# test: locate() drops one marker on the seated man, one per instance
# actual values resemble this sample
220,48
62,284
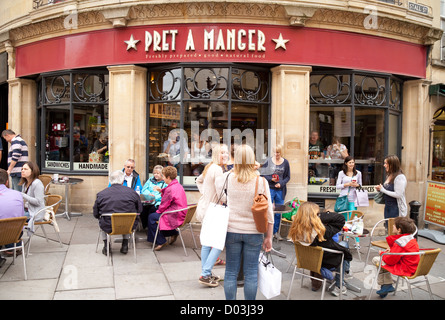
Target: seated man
173,198
11,203
117,198
131,177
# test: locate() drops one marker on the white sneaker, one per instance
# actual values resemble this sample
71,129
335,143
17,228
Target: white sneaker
278,237
336,291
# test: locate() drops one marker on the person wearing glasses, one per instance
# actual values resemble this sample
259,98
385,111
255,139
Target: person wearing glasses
131,177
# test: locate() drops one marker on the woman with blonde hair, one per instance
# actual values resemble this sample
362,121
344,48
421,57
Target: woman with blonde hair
243,239
206,185
311,227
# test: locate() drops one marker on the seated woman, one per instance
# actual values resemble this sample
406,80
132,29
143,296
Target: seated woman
152,192
172,198
33,193
311,227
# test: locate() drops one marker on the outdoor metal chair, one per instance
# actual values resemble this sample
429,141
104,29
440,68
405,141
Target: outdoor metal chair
46,180
191,209
52,205
427,258
10,232
121,223
310,258
380,244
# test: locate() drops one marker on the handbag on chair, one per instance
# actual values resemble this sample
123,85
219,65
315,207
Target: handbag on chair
259,208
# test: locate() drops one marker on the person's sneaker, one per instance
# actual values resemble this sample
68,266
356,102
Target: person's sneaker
208,281
385,289
336,291
278,236
215,277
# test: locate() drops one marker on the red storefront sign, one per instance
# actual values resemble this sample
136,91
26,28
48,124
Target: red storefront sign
219,43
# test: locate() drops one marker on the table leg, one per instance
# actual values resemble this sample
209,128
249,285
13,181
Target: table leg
69,213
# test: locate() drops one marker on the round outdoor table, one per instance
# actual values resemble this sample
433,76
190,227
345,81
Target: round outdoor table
280,209
72,181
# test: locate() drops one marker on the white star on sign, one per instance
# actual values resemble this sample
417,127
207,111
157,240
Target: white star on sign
280,42
131,43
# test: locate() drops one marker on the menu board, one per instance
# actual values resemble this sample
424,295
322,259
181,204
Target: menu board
435,203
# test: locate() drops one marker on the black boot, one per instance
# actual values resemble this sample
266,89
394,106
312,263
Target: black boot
104,250
124,248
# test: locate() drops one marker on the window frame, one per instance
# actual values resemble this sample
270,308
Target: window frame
183,101
388,104
42,107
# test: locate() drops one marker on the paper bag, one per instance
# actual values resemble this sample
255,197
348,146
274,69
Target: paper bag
214,226
269,278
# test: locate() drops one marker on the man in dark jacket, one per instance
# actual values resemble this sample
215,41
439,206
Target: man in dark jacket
117,198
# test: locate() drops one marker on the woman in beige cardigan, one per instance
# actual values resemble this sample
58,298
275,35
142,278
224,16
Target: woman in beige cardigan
206,185
243,239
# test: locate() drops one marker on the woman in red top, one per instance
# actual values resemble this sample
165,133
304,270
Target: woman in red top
402,241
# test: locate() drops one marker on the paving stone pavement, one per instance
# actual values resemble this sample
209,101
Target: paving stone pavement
75,271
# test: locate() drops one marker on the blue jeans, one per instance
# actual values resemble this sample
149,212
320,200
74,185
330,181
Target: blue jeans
276,196
249,246
15,183
209,256
346,266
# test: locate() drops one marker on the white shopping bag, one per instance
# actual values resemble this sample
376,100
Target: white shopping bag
362,198
269,278
214,226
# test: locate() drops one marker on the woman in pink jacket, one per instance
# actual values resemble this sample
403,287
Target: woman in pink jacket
173,198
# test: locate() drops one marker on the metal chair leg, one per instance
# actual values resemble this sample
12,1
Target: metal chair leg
182,240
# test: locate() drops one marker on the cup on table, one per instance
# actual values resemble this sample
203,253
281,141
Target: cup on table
56,177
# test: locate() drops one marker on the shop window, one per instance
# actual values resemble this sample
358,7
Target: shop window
191,107
73,110
438,143
351,114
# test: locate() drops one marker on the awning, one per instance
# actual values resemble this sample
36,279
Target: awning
437,89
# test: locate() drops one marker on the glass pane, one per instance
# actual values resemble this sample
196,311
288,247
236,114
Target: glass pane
57,152
330,89
204,123
329,144
206,83
250,85
438,143
57,89
369,90
164,118
165,85
90,136
90,88
369,144
249,125
393,136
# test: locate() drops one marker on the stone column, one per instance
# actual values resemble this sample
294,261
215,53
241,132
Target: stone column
415,138
22,111
127,116
290,119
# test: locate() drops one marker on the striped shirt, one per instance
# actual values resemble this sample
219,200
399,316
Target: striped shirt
17,152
